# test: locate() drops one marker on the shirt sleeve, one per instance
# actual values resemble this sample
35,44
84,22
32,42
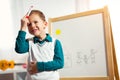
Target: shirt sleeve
21,44
58,61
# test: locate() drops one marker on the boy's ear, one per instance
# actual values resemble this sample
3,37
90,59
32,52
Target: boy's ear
46,24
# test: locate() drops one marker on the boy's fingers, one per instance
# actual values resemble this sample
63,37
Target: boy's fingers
27,16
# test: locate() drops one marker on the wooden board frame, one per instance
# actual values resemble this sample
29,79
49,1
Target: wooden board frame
108,41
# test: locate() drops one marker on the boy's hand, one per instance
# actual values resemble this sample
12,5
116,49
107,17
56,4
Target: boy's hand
32,68
24,23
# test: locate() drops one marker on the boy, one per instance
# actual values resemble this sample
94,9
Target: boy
45,52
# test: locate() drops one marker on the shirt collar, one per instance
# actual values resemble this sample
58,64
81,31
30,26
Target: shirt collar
48,39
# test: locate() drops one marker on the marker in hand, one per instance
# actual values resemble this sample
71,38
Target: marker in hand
27,15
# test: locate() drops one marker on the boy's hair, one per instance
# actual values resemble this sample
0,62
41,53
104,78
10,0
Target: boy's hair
39,13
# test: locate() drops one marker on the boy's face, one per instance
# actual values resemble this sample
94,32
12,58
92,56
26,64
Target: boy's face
36,25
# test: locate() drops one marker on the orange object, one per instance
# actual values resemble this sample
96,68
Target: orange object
3,65
11,64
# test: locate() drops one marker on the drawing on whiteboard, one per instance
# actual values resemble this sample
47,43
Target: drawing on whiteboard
68,57
68,61
89,58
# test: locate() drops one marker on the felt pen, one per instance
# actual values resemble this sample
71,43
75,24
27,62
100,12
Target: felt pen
27,15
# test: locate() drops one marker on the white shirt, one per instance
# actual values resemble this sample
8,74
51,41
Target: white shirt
42,53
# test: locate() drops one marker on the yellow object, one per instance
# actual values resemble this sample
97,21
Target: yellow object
3,65
58,32
11,64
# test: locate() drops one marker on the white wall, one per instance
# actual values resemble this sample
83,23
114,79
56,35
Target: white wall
51,8
115,18
6,26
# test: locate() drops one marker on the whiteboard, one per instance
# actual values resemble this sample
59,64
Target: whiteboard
83,40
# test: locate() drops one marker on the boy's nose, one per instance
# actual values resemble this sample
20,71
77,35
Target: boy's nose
32,25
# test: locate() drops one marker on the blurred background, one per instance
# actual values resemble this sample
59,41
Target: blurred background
13,10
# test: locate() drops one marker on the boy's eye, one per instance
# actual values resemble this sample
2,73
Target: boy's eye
35,22
29,24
